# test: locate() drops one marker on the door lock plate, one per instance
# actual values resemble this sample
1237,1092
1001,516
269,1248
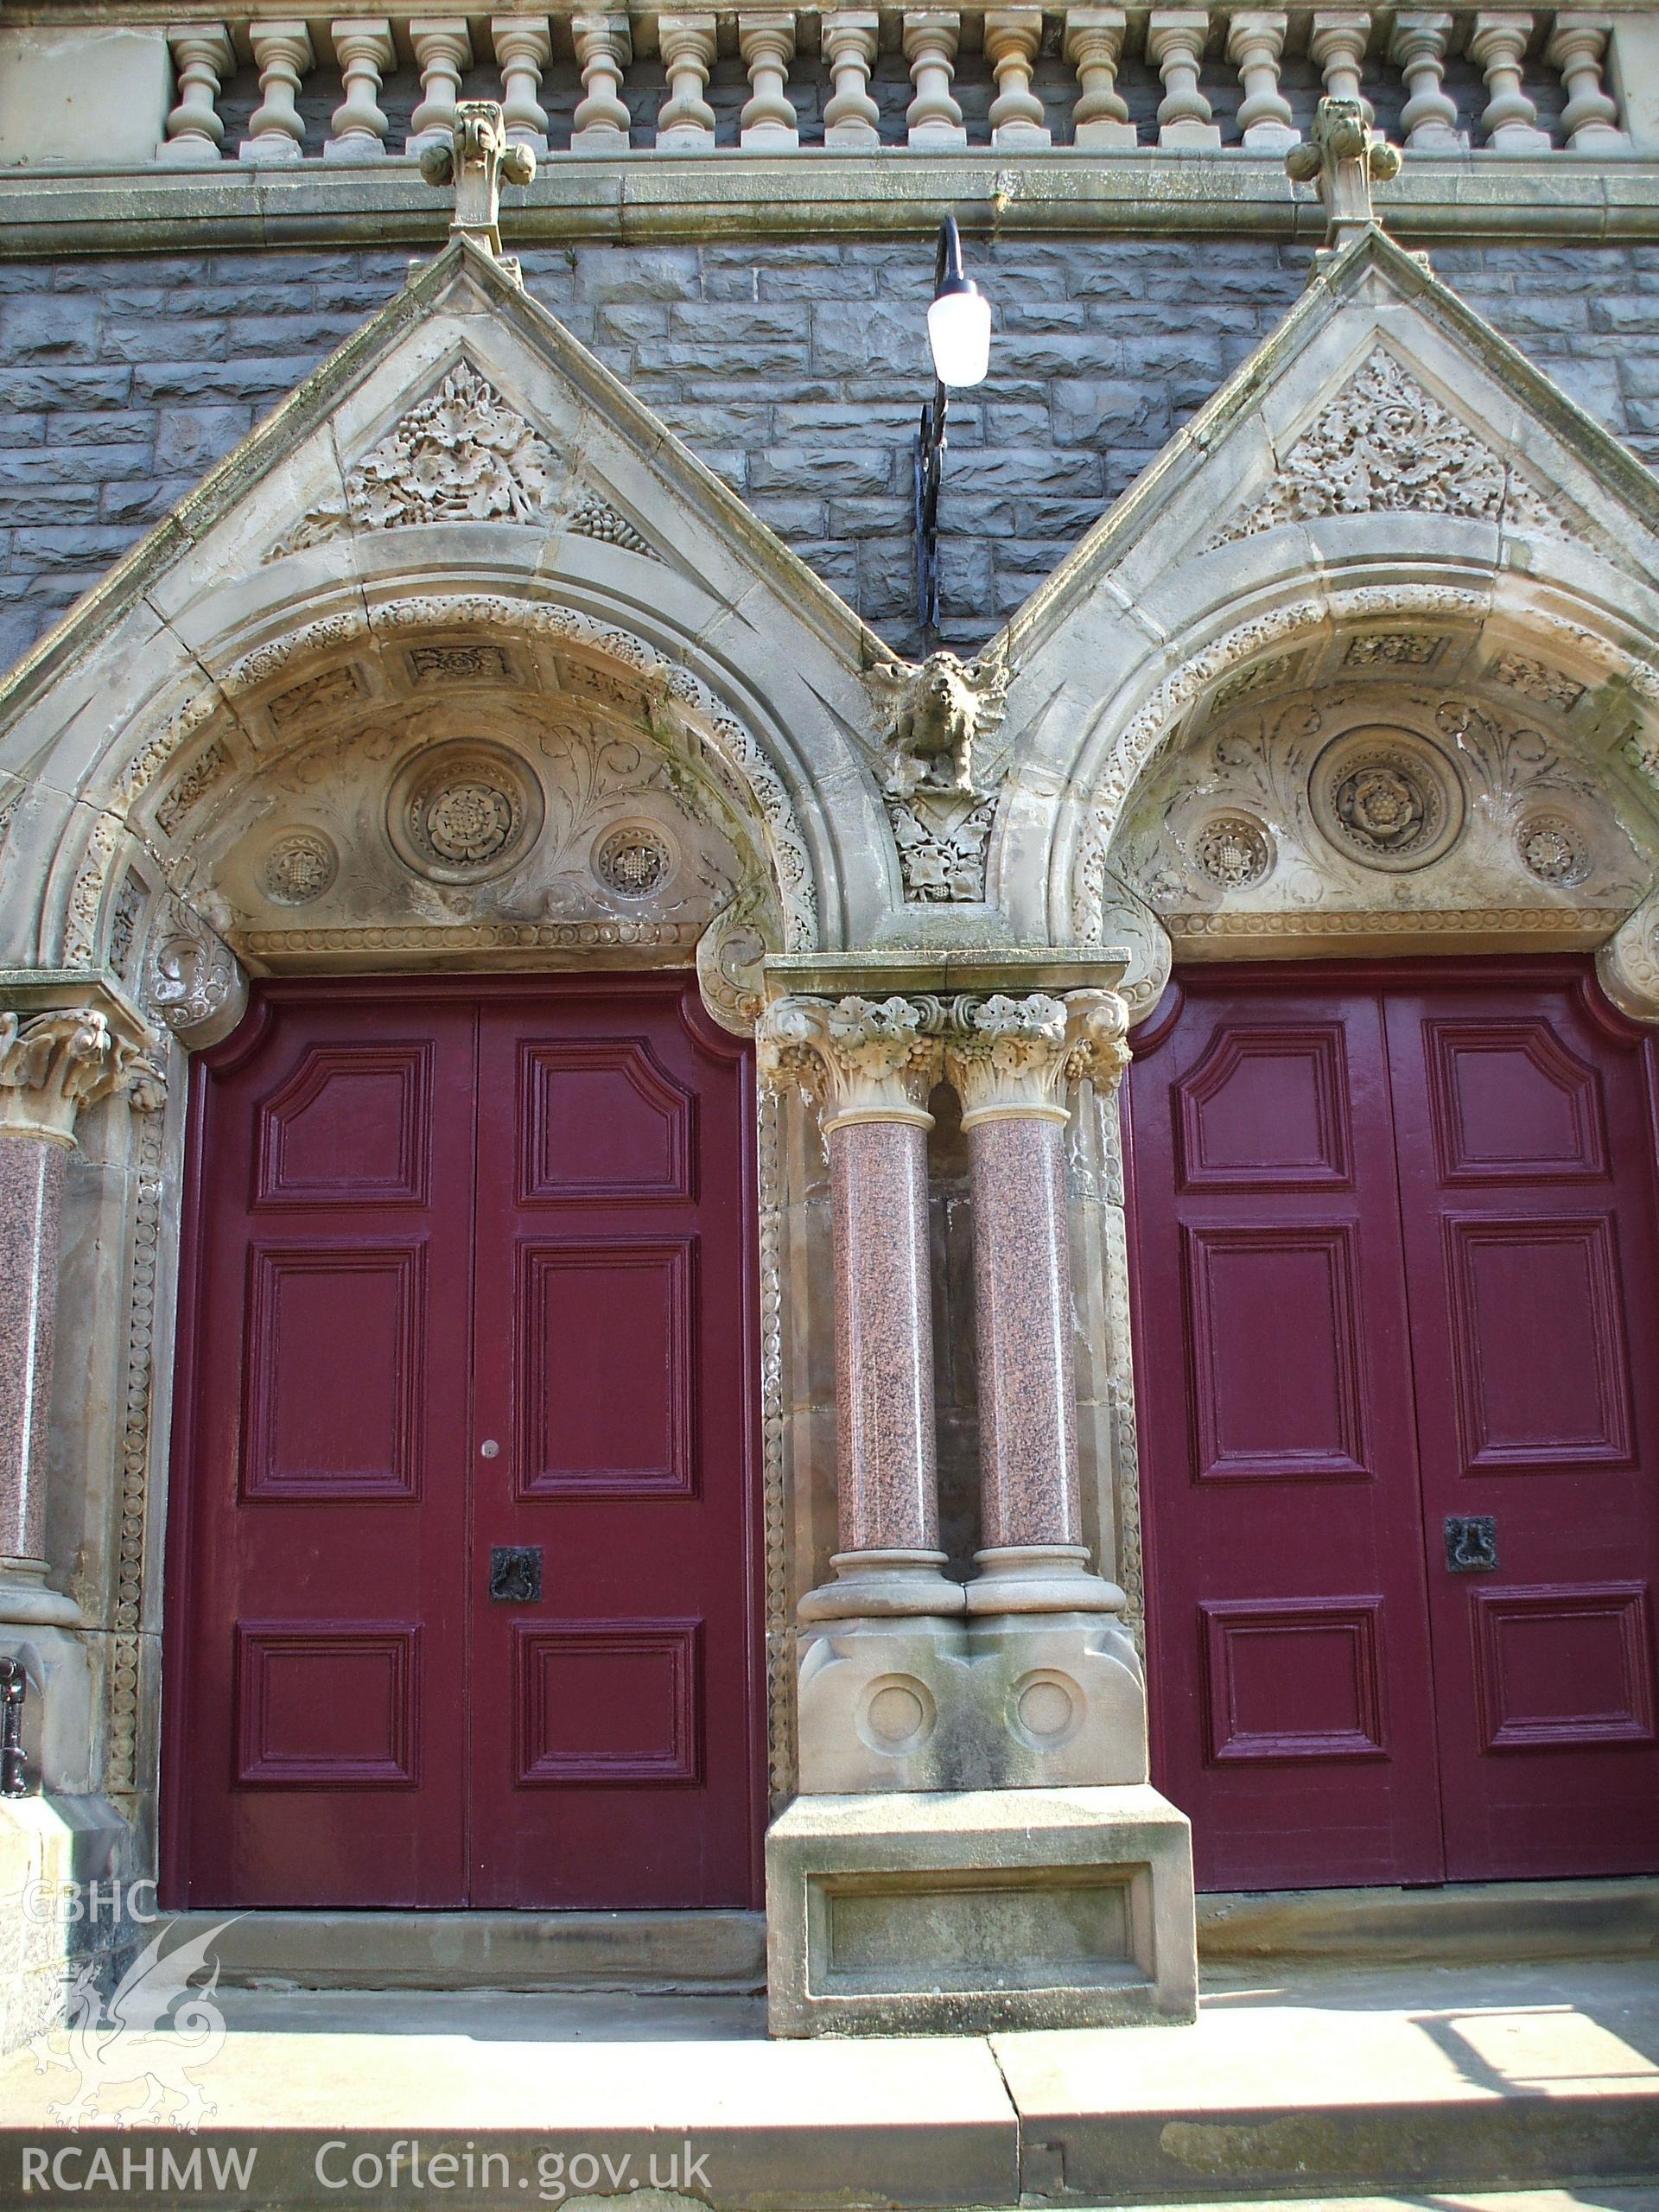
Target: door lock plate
1471,1543
516,1574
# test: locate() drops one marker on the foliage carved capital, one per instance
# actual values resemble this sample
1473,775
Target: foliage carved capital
53,1063
1017,1057
859,1059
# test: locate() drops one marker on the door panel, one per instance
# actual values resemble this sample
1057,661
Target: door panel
609,1769
1288,1654
1533,1265
354,1719
1396,1245
318,1666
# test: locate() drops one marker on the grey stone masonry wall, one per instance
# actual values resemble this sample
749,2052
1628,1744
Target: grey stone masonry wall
794,372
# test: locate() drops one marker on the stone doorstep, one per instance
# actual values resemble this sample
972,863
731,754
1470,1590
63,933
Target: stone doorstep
1408,2080
667,1952
1459,1923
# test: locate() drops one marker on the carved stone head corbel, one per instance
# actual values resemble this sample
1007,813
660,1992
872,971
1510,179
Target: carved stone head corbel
937,786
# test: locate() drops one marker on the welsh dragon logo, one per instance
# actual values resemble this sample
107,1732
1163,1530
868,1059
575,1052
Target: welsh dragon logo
162,2026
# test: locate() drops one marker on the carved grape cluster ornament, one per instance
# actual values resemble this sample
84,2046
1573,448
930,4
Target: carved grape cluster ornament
299,867
1233,850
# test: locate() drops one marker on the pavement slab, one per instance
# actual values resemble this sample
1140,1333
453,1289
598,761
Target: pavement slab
1359,2086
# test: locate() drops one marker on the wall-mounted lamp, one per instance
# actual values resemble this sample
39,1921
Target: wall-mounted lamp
959,337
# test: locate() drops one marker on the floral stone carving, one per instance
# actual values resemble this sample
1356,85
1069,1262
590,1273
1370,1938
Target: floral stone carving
463,811
1387,799
1233,850
462,455
1384,446
192,980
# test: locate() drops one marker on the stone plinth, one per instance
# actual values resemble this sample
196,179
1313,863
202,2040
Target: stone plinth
959,1913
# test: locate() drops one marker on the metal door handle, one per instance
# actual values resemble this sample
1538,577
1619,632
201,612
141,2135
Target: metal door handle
1471,1543
516,1574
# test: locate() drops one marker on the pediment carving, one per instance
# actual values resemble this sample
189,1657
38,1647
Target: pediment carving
1383,445
463,455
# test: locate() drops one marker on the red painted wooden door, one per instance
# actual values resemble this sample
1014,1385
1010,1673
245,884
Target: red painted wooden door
460,1594
1394,1238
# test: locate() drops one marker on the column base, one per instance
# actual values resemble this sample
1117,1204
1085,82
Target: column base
26,1599
884,1585
978,1910
1040,1579
1011,1702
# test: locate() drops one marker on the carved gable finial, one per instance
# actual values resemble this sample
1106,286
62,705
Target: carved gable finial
478,159
1342,157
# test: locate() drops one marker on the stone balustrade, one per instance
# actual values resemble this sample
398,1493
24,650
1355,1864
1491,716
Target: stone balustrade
266,88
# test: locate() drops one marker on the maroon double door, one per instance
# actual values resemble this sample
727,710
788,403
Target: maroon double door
1398,1368
460,1602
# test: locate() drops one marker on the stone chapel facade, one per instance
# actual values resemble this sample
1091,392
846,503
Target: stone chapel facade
670,1248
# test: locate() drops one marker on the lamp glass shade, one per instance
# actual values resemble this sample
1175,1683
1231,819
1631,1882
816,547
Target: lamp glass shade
959,335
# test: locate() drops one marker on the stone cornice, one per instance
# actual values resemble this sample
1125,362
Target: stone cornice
644,195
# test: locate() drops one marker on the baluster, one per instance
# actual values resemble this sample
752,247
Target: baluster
1429,118
1012,38
1337,41
523,44
283,52
604,47
203,58
1499,45
685,122
1255,42
365,51
765,39
1590,119
1175,40
1094,45
851,117
934,117
443,54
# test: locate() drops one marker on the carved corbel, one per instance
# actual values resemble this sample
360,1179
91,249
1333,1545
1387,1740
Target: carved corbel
53,1063
193,980
1342,158
941,801
731,956
857,1059
1628,964
1018,1057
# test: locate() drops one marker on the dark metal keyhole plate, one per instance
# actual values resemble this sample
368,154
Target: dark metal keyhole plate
1471,1543
516,1574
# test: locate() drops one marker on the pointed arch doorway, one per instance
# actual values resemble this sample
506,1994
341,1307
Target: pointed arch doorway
1396,1250
463,1591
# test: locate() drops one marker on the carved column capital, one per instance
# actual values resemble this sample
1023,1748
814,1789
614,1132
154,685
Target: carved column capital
53,1063
1012,1058
860,1059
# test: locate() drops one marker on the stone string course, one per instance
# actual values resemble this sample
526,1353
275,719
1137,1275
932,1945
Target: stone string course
795,371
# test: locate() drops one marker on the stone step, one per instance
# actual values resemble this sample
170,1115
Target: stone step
1459,1923
647,1953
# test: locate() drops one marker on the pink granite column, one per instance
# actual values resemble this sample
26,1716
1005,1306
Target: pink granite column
52,1064
870,1065
1012,1061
